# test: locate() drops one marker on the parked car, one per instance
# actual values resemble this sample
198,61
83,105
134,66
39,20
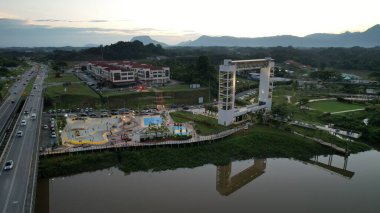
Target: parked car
8,165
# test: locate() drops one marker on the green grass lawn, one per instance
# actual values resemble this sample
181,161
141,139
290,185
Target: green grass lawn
76,95
4,89
29,86
177,87
73,89
65,77
334,106
141,99
203,125
20,70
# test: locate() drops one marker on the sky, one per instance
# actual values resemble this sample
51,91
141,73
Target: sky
81,22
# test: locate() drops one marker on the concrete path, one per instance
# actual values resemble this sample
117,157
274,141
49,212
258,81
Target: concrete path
352,110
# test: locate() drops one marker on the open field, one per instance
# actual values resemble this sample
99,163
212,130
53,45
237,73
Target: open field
20,70
65,77
141,99
334,106
76,95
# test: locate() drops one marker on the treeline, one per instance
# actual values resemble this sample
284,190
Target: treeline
197,70
118,51
355,58
8,62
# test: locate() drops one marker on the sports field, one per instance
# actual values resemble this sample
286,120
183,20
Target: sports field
334,106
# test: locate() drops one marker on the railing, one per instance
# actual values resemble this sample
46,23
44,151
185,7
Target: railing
197,139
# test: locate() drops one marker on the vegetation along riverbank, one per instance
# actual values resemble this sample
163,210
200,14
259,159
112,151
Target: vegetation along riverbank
259,141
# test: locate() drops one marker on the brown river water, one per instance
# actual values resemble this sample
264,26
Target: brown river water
323,184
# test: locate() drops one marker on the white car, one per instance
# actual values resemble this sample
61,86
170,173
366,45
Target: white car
8,165
53,135
19,134
23,123
46,126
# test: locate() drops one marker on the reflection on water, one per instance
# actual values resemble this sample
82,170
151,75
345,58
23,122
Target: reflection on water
328,166
225,184
268,185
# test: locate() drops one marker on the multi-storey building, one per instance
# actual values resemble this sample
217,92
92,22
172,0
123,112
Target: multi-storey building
128,72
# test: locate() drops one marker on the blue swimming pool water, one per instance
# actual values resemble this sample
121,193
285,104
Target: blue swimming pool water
152,120
177,130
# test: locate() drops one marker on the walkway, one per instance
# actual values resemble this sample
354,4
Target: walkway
330,130
332,146
195,140
352,110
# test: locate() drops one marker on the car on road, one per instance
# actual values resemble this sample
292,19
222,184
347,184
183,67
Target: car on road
46,126
26,112
12,101
53,135
8,165
23,123
19,134
33,116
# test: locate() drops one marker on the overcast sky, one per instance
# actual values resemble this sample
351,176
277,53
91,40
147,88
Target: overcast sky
80,22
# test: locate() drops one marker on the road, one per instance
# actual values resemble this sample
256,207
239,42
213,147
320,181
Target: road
17,185
16,90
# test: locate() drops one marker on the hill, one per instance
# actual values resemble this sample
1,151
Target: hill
368,38
148,40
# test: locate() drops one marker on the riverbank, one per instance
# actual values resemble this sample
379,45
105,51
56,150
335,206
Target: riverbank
259,142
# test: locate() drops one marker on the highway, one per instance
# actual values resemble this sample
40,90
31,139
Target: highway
6,107
17,185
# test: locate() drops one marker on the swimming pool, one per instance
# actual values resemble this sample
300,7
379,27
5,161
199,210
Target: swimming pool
180,130
152,120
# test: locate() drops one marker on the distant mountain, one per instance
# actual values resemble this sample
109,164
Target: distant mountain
368,38
147,40
91,45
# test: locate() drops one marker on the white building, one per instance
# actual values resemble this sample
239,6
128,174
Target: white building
128,72
227,113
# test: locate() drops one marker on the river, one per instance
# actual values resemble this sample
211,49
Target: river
323,184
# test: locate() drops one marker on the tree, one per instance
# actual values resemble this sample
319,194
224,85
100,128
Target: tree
59,68
302,102
280,110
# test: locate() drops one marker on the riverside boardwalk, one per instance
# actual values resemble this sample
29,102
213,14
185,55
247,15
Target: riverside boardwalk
134,145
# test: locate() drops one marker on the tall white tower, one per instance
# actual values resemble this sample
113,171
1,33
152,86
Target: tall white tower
266,85
227,80
226,103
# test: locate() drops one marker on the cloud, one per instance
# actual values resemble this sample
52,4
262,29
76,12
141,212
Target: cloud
98,21
48,20
81,21
15,32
